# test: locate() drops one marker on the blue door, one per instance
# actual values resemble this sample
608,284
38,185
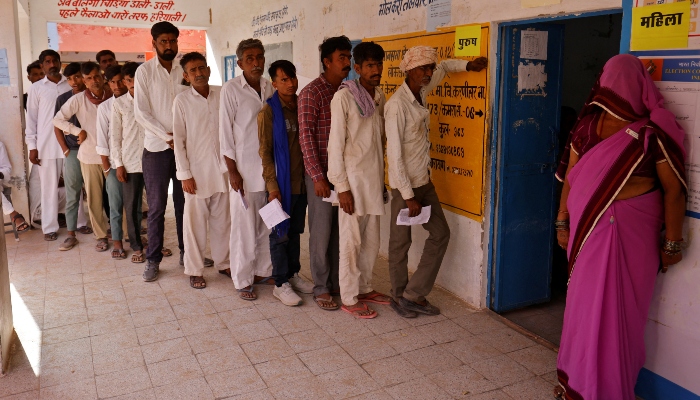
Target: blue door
526,187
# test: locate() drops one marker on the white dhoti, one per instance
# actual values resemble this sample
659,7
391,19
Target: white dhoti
359,246
7,208
199,214
250,239
49,172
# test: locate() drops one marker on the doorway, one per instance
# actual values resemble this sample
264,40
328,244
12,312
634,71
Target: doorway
547,70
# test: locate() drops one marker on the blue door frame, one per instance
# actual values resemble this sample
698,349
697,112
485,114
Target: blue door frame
497,135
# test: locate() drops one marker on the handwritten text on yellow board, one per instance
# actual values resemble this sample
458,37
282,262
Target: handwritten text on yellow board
468,41
458,109
663,26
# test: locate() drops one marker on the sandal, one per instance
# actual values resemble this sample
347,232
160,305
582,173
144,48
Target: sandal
50,237
144,231
118,254
226,272
260,280
197,282
559,392
322,303
374,297
68,244
22,226
138,258
166,252
360,310
102,245
85,230
242,293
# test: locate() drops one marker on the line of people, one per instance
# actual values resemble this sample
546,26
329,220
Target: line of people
228,151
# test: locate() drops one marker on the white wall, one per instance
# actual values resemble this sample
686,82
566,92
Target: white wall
463,268
11,111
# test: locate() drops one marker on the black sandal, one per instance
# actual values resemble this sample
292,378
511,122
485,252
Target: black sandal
50,237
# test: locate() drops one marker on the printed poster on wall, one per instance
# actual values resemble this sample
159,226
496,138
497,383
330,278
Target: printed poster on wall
678,79
458,116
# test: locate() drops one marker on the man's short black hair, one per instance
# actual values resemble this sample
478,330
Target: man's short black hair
163,27
330,45
193,56
289,69
129,69
88,67
71,69
112,71
36,64
48,52
103,53
367,51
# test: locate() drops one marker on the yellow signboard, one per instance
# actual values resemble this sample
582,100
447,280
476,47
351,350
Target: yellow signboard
458,128
468,40
663,26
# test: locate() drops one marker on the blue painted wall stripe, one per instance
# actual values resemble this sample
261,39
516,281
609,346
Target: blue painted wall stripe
651,386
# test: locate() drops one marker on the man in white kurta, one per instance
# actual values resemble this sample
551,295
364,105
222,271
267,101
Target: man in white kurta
356,169
44,151
242,98
202,170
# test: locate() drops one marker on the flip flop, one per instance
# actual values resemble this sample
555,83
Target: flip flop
166,252
138,258
102,245
318,301
50,237
357,309
249,290
375,297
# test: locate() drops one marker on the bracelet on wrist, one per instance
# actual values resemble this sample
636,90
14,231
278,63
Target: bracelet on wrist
106,170
672,246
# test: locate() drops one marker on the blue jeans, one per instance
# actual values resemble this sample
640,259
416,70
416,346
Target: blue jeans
73,181
284,251
116,204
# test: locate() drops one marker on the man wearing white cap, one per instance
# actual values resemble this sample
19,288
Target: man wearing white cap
408,156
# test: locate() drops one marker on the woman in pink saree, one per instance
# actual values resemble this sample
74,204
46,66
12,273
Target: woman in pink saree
624,182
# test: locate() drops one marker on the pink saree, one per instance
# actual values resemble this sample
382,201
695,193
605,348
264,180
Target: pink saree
614,244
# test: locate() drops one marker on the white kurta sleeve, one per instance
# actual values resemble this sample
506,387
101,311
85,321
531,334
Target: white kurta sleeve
116,134
337,173
395,124
182,163
227,114
32,116
445,67
104,114
61,120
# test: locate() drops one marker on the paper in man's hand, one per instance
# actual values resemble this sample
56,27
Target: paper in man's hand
333,198
244,202
422,218
272,214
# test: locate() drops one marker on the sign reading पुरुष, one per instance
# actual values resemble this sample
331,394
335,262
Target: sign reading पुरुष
468,40
663,26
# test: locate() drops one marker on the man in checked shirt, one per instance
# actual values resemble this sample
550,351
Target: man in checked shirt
314,129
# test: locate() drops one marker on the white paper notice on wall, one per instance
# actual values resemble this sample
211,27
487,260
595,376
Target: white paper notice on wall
531,78
533,45
4,68
438,13
537,3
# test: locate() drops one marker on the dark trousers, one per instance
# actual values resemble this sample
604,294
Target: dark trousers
131,197
423,279
158,171
284,251
324,249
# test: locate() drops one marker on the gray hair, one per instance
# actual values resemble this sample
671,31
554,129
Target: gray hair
248,44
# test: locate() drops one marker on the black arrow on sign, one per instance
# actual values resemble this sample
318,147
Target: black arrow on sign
479,113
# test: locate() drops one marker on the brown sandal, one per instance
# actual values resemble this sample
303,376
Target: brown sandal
22,226
118,254
137,258
50,237
102,245
166,252
198,282
85,230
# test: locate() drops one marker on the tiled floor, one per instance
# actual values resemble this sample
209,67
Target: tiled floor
89,328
